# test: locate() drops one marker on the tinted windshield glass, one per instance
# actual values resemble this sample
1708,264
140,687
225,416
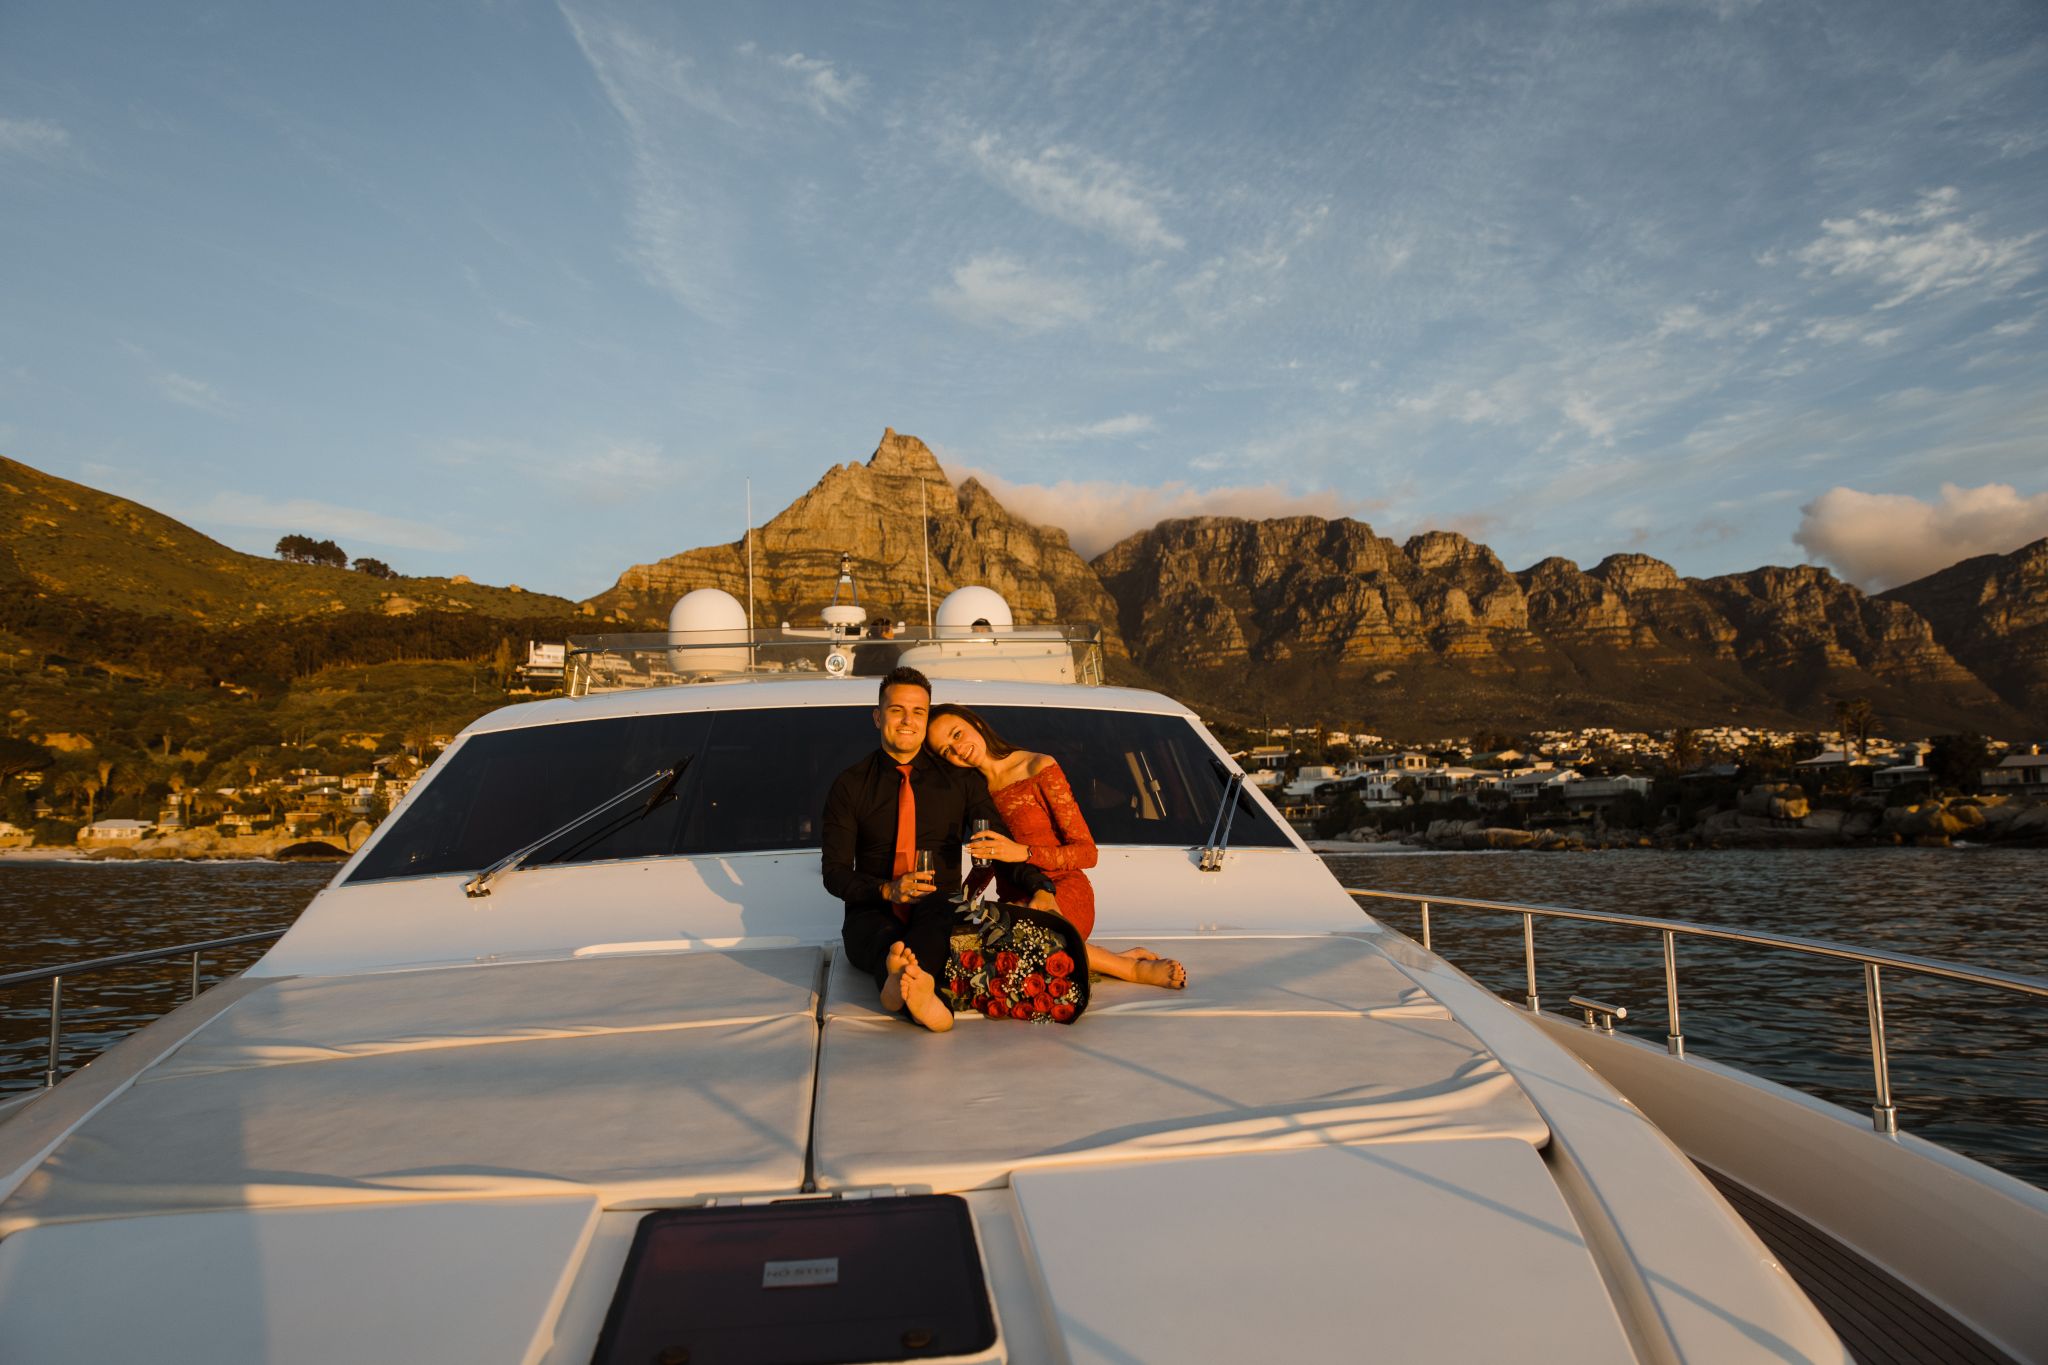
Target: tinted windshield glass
757,780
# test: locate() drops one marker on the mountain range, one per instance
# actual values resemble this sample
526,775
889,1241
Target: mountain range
1296,617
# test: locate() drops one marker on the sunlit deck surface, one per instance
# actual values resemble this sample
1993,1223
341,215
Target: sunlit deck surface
686,1075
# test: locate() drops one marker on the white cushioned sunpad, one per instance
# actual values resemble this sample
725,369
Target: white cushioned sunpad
899,1106
317,1018
395,1101
1311,974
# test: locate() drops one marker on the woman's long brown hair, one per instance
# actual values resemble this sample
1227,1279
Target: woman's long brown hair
998,747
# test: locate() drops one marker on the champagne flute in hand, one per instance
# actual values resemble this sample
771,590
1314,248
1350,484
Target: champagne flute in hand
980,827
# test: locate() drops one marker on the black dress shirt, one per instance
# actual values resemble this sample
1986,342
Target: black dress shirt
859,829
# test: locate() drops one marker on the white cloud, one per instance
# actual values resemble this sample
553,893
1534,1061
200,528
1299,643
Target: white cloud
1130,424
995,291
307,517
34,137
1880,540
189,392
1086,192
1925,252
1097,513
825,90
613,471
677,238
1836,331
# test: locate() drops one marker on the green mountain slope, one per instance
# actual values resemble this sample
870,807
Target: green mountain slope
68,541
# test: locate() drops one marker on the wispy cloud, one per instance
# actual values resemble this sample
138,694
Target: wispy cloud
827,92
1926,251
994,290
677,241
33,137
504,316
1129,424
309,517
186,391
1098,513
1880,540
1092,193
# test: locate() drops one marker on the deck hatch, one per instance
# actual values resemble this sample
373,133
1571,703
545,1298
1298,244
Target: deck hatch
812,1282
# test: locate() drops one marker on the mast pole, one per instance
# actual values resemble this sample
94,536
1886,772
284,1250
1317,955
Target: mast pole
925,520
750,573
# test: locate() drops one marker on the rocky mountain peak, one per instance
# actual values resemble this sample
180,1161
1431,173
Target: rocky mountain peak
1434,550
905,457
1629,573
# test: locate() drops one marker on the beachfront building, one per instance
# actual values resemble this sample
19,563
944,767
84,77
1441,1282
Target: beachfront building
109,832
2019,773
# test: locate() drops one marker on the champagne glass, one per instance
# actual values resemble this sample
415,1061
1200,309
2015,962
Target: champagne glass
927,863
981,827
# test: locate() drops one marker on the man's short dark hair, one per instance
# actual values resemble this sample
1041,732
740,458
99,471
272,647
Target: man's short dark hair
902,677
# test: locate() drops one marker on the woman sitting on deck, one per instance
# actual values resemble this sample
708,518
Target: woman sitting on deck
1039,807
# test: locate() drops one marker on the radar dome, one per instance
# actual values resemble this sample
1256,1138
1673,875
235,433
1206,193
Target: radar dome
707,616
964,606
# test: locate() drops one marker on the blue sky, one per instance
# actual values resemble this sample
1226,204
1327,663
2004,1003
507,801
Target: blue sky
528,291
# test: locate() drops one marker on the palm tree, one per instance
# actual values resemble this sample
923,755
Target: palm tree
1685,749
1853,720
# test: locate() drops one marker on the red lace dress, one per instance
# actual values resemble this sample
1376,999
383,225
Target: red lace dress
1043,815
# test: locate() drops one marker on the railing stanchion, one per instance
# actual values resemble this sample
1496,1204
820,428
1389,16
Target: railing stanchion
56,1027
1884,1116
1529,960
195,977
1674,1036
1425,924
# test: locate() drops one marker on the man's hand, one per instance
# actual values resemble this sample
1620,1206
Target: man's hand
910,886
1044,900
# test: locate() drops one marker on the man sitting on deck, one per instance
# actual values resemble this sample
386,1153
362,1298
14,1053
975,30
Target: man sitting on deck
879,814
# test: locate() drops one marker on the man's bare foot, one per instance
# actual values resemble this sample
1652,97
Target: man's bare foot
1161,971
892,990
921,996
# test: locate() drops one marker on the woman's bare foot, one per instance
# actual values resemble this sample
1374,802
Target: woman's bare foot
1161,971
1141,965
921,997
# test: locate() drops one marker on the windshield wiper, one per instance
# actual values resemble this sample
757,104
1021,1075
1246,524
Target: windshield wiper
660,786
1226,814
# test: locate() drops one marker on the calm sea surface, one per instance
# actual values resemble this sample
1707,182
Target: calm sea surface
1969,1066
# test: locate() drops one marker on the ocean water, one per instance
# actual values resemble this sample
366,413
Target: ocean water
1969,1066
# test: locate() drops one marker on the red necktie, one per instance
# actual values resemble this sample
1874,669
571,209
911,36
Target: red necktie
906,858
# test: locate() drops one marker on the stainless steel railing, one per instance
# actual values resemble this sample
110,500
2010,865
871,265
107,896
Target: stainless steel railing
1883,1113
55,976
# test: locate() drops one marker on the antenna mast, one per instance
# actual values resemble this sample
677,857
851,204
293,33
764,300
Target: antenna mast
750,572
925,520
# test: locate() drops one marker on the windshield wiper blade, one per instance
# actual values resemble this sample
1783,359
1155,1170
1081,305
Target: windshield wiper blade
1226,815
661,786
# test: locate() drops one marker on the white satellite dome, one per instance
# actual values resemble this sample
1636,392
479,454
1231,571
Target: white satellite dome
964,606
707,616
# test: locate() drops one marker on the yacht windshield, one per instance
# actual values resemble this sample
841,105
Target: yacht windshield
756,780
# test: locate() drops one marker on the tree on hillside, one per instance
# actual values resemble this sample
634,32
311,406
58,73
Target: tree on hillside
375,568
18,756
1956,760
306,550
502,665
1685,749
1854,723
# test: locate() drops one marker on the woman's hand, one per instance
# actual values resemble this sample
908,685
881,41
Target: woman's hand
1001,847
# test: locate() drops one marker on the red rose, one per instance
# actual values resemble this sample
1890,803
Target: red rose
1059,964
971,960
1006,962
1062,1012
992,1008
1039,1005
1034,984
1020,1010
998,990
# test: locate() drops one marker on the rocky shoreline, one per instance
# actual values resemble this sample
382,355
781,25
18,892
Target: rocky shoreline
1764,817
202,845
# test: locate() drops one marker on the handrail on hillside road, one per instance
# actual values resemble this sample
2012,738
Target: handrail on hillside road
55,976
1883,1114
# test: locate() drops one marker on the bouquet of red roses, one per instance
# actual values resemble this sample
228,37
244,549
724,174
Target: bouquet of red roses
1036,971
